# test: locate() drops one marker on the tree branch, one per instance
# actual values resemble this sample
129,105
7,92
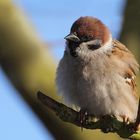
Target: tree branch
106,123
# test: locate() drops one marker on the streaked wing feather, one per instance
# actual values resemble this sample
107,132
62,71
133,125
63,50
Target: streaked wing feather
128,58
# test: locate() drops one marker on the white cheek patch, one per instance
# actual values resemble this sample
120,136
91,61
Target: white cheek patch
83,50
108,44
94,42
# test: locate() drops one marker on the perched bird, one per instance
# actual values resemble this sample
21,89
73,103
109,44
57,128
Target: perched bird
97,73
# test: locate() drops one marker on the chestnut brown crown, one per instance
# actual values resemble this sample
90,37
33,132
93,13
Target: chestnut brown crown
90,28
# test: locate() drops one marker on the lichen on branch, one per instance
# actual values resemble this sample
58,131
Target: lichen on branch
106,123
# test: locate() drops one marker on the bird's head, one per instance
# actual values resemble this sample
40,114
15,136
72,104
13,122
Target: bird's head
90,31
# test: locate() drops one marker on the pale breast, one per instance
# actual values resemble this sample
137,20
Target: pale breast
97,85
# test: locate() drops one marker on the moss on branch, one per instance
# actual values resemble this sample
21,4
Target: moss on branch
105,123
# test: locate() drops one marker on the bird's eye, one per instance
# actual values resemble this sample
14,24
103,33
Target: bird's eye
93,46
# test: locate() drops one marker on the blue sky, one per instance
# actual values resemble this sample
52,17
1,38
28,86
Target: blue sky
17,122
52,20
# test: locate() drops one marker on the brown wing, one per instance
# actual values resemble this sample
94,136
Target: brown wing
132,67
130,73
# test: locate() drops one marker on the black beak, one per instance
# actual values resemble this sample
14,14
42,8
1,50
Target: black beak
72,37
73,43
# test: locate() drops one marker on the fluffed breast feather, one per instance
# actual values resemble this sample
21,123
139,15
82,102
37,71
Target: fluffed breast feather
131,67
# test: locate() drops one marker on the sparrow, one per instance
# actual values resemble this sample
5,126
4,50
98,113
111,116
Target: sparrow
97,73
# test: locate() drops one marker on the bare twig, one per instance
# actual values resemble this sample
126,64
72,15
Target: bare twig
106,123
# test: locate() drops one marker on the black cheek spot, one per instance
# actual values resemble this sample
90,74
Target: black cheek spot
93,47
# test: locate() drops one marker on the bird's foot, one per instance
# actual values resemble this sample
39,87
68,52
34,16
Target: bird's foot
126,119
127,122
82,117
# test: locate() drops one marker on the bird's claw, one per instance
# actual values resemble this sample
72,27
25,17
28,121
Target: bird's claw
82,116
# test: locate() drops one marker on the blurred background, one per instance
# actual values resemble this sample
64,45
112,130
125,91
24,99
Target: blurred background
31,45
